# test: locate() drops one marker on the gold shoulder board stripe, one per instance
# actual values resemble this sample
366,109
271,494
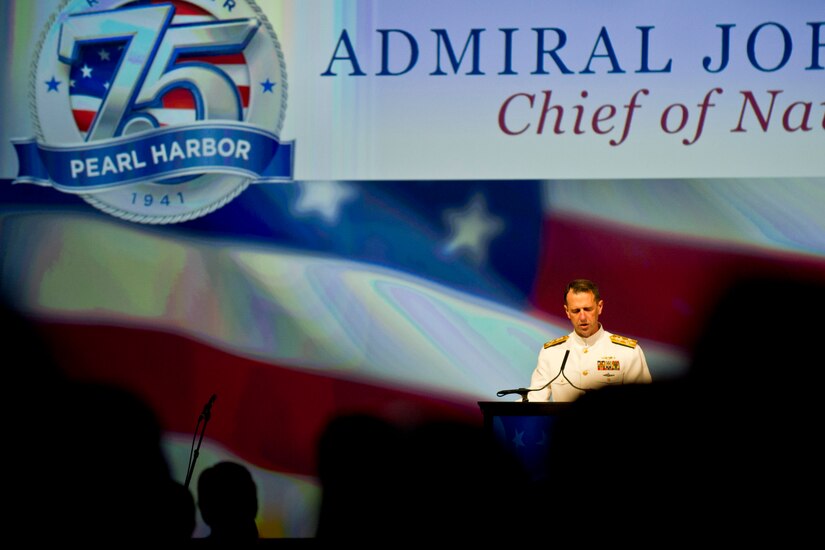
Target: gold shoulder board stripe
555,342
623,340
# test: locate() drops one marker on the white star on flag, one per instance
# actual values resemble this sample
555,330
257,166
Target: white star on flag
471,229
324,198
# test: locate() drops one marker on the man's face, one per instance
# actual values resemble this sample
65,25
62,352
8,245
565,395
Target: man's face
583,311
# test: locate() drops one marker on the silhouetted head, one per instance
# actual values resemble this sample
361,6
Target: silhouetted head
359,468
228,501
108,477
761,329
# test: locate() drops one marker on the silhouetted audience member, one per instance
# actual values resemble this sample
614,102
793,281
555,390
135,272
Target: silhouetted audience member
754,373
620,467
84,460
460,484
228,502
359,470
434,481
108,477
32,384
178,513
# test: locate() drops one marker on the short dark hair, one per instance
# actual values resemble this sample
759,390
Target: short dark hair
582,285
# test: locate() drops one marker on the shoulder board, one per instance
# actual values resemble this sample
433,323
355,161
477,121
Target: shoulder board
623,340
555,342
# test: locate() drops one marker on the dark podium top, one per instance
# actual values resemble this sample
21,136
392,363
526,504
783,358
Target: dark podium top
521,408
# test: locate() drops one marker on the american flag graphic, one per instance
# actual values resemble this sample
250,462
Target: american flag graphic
92,73
409,300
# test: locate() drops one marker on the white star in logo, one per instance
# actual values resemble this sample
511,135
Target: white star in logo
471,229
518,439
104,55
324,198
106,85
87,71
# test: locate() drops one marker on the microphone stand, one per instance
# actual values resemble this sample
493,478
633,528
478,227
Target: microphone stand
203,419
524,391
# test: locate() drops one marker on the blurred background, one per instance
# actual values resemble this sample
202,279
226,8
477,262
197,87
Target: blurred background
413,292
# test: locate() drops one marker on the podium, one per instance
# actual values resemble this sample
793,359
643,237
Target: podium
524,429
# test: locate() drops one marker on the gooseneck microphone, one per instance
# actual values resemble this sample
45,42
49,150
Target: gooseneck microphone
200,429
524,391
207,409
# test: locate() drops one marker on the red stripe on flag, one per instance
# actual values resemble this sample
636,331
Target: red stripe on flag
228,59
184,8
653,287
268,415
83,119
181,98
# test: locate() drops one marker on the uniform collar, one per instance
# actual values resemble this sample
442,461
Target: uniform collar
590,341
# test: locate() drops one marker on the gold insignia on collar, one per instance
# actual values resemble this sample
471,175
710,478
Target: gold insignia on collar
623,340
556,342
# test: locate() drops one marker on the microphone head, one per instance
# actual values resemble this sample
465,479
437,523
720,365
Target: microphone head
207,409
520,391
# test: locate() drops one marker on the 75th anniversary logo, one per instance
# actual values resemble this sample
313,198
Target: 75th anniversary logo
157,113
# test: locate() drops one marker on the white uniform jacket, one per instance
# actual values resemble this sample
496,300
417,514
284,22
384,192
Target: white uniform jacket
602,359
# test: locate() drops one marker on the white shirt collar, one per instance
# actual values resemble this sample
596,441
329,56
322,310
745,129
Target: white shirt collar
590,341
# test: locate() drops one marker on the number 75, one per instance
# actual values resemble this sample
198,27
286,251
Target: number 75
147,68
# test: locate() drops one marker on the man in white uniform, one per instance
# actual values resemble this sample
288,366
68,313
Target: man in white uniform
597,358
